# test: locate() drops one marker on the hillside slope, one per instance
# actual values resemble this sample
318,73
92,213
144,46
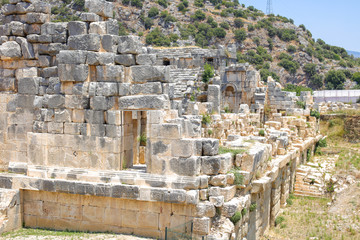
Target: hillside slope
273,44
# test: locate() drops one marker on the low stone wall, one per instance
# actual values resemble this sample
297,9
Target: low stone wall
63,211
10,210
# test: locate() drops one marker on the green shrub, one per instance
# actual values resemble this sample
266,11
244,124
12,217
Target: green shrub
233,151
322,142
310,69
286,34
296,88
173,37
356,77
253,207
199,3
208,73
157,38
219,33
206,119
316,81
265,73
256,40
210,132
163,3
79,5
314,113
153,12
240,35
290,66
148,22
289,202
251,28
140,34
136,3
236,217
198,16
238,177
335,80
238,23
271,44
261,132
279,220
301,104
225,25
142,139
291,49
243,211
122,30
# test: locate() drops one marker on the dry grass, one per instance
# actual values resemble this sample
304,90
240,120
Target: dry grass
309,218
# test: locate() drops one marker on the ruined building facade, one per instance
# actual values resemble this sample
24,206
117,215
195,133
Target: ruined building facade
100,133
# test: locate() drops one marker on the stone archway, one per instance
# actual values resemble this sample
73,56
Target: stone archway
229,98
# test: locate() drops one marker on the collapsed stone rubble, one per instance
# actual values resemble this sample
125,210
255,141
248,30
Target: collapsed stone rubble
82,107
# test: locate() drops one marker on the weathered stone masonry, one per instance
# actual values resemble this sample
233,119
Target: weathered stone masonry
77,101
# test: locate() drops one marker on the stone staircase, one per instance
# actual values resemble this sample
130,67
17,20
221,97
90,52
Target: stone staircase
185,79
309,181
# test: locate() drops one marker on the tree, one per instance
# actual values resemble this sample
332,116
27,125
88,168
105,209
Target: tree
163,3
335,80
238,23
208,73
199,15
356,77
291,49
219,32
316,81
240,35
310,69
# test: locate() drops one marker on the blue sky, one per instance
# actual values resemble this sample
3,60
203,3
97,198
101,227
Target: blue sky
336,22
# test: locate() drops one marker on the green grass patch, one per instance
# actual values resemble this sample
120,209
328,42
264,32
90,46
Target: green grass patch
233,151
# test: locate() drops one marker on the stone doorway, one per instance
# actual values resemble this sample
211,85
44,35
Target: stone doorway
229,98
134,139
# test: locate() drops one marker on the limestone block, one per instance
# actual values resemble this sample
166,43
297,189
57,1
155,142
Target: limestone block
51,49
29,85
7,84
202,225
26,48
210,165
214,97
96,117
26,72
183,148
229,208
110,43
10,49
62,115
218,180
142,74
77,28
73,72
98,28
102,103
125,59
146,59
36,29
76,102
205,209
97,130
113,131
185,166
102,58
89,42
109,73
54,101
129,44
78,116
210,147
113,117
146,88
16,28
100,7
125,191
75,128
124,89
89,17
106,89
218,201
52,28
9,9
72,57
204,194
147,102
54,127
192,197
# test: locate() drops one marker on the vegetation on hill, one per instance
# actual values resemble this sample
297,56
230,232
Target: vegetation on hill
273,44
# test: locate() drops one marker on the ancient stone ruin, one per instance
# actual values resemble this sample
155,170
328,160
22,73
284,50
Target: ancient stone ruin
101,133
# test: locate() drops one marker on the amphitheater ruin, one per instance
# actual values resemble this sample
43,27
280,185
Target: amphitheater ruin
101,133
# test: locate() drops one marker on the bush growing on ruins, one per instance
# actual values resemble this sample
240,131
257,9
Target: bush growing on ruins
206,119
262,132
289,202
233,151
163,3
301,104
153,12
279,220
79,5
238,177
122,30
314,113
252,207
236,217
142,139
210,132
265,73
208,73
243,212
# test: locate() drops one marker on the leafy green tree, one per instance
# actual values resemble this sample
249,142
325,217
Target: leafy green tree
316,81
310,69
163,3
208,73
219,32
335,80
291,49
148,22
225,25
157,38
290,66
356,77
240,35
198,15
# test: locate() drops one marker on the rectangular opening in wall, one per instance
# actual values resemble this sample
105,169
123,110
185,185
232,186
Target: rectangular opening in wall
134,140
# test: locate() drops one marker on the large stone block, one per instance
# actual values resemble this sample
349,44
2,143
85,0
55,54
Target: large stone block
76,102
102,103
147,102
110,43
146,59
125,59
185,166
129,44
26,48
71,57
52,28
202,225
100,7
73,72
142,74
77,28
109,73
102,58
10,49
89,42
210,147
106,89
54,101
29,85
89,17
146,88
